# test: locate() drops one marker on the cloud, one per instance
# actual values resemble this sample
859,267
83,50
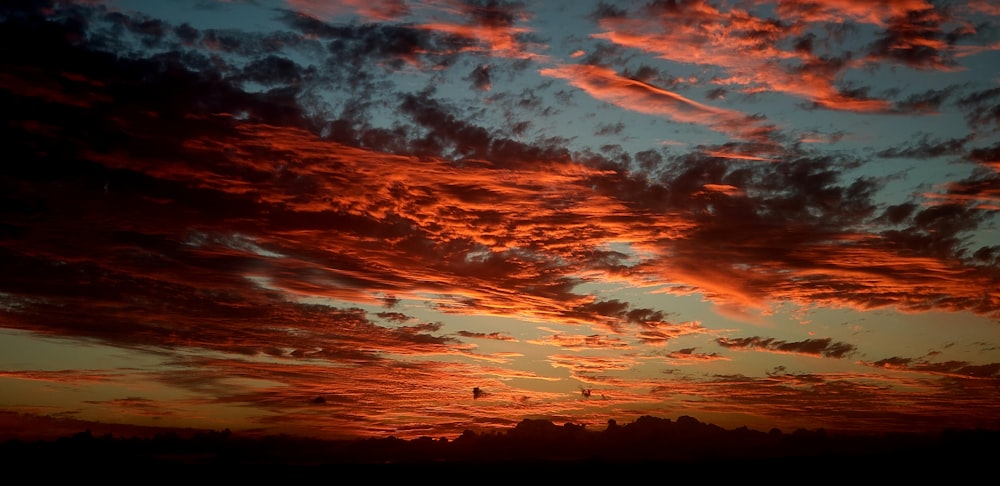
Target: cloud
825,347
498,336
980,191
610,129
983,6
271,200
689,356
963,369
579,342
981,109
876,13
928,102
374,10
747,49
61,376
659,333
445,232
480,78
135,406
925,148
590,365
915,39
489,27
792,50
394,316
606,85
273,71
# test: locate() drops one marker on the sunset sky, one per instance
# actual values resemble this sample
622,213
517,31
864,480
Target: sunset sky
339,219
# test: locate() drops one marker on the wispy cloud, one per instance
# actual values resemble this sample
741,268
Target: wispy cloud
963,369
797,55
606,85
825,347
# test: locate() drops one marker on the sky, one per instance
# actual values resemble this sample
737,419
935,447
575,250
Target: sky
394,218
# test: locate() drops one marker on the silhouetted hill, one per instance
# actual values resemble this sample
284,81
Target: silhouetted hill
648,443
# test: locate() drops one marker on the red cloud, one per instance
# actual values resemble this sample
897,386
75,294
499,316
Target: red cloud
382,10
760,54
606,85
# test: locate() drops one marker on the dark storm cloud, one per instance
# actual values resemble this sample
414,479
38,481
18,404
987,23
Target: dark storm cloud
820,347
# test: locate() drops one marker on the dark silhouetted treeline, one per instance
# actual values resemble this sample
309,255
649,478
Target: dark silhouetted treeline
648,442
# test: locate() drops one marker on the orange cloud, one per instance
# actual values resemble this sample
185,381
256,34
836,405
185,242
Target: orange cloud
577,342
498,41
376,10
585,364
606,85
760,54
491,28
62,376
875,12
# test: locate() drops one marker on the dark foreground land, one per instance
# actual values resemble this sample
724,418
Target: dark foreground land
685,448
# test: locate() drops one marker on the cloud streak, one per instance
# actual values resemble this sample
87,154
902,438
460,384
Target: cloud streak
606,85
824,347
801,55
